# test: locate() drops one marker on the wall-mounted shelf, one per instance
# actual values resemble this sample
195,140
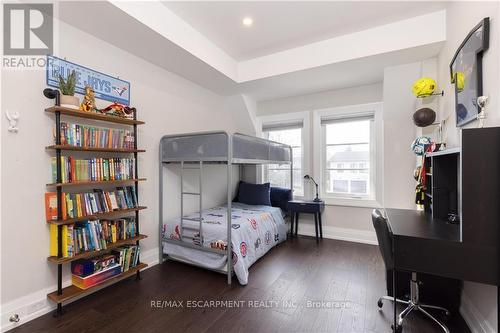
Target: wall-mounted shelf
93,115
71,292
93,182
90,254
441,93
115,213
103,150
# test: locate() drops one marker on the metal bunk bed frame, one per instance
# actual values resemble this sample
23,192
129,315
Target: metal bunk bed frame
222,153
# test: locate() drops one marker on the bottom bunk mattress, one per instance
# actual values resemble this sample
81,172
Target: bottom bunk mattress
255,230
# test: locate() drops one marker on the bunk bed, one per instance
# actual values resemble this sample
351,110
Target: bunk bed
196,238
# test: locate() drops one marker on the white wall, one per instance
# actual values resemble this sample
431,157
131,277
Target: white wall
479,301
356,95
166,102
340,222
399,132
398,162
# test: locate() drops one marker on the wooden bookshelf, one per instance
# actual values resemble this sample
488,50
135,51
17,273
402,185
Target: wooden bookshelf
97,150
71,292
64,294
115,213
93,115
90,254
100,182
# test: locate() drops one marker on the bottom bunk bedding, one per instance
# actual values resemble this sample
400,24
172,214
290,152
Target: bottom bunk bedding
255,230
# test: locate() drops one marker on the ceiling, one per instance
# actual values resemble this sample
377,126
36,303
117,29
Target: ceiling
335,76
154,47
280,25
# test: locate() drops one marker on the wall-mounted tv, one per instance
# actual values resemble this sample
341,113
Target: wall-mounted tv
467,72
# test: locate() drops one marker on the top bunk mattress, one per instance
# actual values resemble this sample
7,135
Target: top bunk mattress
220,147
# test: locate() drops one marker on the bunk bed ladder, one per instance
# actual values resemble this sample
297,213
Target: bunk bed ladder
199,194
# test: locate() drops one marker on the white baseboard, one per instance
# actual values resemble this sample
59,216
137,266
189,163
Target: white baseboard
36,304
345,234
473,317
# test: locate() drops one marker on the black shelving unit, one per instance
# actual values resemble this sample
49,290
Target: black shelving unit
64,294
442,183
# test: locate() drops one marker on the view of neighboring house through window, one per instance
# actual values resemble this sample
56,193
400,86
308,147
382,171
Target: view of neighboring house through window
279,175
347,158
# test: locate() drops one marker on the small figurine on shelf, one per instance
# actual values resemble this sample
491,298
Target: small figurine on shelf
117,109
88,104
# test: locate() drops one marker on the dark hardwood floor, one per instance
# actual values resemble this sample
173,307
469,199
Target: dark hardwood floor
351,276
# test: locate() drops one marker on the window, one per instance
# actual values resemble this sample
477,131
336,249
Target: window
279,175
347,160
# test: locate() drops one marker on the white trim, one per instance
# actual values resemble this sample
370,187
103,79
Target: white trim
36,304
344,234
377,151
305,117
473,317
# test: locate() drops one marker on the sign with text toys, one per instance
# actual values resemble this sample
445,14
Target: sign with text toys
105,87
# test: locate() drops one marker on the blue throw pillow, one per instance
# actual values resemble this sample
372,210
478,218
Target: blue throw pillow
254,194
280,197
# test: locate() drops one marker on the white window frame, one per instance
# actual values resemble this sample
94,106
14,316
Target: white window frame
376,154
276,119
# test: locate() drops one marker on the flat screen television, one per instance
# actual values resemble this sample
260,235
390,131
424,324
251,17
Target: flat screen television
467,72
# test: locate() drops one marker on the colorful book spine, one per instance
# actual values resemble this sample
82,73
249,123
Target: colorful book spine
95,169
95,137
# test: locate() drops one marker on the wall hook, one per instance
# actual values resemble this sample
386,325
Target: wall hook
13,119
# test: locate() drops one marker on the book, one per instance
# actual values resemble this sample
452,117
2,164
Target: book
51,206
77,205
53,240
127,256
66,241
97,235
94,169
95,137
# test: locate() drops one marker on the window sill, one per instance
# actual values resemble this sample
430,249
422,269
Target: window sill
348,202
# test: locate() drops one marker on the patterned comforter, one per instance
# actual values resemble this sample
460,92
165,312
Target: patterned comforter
255,230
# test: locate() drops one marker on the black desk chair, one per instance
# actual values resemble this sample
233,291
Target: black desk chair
384,237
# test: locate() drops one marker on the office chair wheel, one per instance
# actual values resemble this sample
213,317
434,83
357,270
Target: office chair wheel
445,316
380,303
399,328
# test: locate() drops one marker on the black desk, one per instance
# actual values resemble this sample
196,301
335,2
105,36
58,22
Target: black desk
433,246
306,206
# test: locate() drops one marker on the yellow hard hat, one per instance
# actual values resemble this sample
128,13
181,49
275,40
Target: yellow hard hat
424,87
460,81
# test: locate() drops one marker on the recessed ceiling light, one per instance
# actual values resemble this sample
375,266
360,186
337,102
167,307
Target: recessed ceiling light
247,21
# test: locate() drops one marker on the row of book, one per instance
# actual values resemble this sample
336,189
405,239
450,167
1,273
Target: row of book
93,169
91,235
87,273
95,137
127,256
76,205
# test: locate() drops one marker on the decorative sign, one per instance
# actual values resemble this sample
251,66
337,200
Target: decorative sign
105,87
